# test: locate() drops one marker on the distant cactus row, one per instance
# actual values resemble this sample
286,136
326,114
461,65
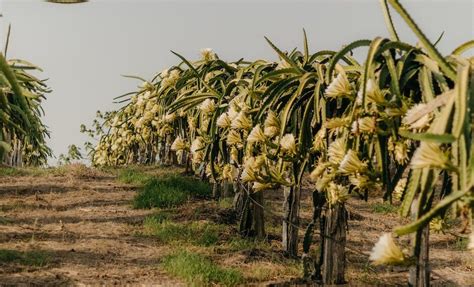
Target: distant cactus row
22,134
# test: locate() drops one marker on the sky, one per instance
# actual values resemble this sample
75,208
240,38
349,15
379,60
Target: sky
85,48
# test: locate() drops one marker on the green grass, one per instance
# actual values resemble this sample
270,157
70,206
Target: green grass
226,203
29,258
461,243
170,191
133,176
26,171
196,233
198,270
384,208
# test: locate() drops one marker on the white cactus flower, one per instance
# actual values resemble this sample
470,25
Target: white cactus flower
336,151
271,126
336,193
373,94
339,87
178,144
197,145
256,135
399,188
208,54
288,144
208,106
242,121
224,121
364,125
414,120
430,155
169,118
386,251
165,73
315,175
234,138
351,163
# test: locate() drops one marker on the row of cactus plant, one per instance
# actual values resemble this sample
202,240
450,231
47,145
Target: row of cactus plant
23,134
398,125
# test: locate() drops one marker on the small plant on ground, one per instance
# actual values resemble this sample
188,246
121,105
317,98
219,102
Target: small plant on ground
197,233
170,192
28,258
384,208
198,270
133,176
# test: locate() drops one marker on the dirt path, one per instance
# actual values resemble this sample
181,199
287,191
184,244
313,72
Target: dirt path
86,227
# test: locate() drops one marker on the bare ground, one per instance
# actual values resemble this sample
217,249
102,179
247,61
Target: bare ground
84,222
86,226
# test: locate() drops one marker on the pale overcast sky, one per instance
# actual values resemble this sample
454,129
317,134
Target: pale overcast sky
84,48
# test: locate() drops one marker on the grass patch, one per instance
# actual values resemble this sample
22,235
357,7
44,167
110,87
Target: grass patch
198,270
197,233
226,203
133,176
170,191
29,258
26,171
265,271
461,243
384,208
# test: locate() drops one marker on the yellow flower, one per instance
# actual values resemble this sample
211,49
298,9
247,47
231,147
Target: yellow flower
233,138
257,186
430,155
337,125
208,55
415,119
318,170
386,251
229,172
373,94
224,121
170,79
437,225
271,126
248,175
339,87
234,154
319,141
242,122
362,182
165,73
401,152
178,144
336,193
208,106
256,135
197,144
336,151
169,118
288,144
399,188
364,125
351,163
198,157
